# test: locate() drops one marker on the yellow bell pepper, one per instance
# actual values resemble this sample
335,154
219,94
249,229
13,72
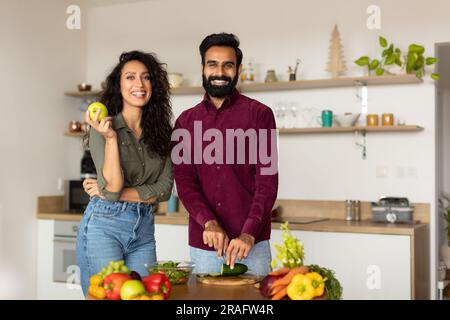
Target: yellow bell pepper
301,288
96,289
318,282
97,292
157,296
96,280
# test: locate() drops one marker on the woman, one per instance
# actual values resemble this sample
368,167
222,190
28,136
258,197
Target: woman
131,152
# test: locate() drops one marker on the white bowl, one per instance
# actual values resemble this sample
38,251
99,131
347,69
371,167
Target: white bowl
347,119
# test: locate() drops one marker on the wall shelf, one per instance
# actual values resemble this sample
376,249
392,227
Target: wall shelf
285,85
312,84
74,134
405,128
83,94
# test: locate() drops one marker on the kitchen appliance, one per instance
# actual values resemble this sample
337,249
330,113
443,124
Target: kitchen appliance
393,210
75,198
64,251
87,166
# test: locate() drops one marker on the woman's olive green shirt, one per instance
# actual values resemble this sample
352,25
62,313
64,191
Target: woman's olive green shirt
142,169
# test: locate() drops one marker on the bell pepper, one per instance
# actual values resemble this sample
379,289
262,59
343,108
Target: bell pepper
158,283
96,280
318,282
97,292
96,289
112,284
301,288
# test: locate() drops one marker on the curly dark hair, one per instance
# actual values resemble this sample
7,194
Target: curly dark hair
157,113
222,40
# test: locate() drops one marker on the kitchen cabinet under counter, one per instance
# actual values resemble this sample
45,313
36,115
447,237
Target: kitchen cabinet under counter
372,260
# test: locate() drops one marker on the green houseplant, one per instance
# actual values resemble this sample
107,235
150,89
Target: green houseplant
413,61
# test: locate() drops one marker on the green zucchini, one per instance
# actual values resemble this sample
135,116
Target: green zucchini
238,269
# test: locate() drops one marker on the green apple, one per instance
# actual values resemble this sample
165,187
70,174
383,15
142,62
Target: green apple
94,107
131,289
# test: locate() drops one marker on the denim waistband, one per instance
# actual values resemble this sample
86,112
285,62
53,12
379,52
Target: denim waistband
125,204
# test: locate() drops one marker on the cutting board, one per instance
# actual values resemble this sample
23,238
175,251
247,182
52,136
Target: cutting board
229,281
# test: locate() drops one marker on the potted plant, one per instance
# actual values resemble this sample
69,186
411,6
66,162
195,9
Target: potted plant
413,61
444,206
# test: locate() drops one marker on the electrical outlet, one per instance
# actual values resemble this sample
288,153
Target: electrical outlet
382,172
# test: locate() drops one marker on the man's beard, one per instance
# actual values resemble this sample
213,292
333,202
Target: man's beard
219,91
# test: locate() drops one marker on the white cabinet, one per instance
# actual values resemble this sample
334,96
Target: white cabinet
369,266
172,242
47,289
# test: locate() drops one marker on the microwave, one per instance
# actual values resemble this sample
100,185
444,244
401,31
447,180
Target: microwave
75,199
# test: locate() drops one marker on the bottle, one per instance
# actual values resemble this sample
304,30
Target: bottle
357,210
349,210
249,73
172,204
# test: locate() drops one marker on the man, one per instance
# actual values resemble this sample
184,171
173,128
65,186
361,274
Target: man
229,196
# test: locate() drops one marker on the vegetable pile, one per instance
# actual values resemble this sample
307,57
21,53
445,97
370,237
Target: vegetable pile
294,279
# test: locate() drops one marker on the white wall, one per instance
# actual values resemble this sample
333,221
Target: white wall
40,59
275,33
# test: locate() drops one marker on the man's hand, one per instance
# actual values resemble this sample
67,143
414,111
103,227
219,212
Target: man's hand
91,188
215,236
240,248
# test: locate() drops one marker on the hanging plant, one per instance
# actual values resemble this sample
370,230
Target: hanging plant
413,61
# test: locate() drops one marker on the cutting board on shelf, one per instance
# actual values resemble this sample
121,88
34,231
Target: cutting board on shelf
229,281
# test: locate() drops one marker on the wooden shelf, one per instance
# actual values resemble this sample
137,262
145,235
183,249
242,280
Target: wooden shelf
311,84
83,94
405,128
285,85
74,134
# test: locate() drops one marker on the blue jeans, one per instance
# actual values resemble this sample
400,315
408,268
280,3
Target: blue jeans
258,260
114,230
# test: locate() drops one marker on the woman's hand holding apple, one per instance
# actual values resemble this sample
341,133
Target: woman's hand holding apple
104,127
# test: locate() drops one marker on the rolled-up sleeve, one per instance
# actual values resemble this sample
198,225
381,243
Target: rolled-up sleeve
162,188
97,149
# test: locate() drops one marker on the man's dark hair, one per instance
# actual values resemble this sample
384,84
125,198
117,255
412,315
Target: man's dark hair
221,40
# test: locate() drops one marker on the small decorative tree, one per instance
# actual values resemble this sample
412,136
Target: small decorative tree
336,62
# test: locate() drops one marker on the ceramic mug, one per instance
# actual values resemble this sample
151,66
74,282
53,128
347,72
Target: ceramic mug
387,119
372,120
326,120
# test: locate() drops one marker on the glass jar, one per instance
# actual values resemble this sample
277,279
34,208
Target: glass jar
271,76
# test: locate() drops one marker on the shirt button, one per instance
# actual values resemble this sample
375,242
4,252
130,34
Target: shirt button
218,204
143,164
137,180
139,148
218,167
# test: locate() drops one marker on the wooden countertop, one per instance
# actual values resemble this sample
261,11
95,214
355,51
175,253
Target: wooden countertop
330,225
198,291
50,207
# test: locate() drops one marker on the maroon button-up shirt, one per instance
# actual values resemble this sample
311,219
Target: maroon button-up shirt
237,192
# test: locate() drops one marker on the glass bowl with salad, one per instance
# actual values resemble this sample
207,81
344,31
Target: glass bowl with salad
178,272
